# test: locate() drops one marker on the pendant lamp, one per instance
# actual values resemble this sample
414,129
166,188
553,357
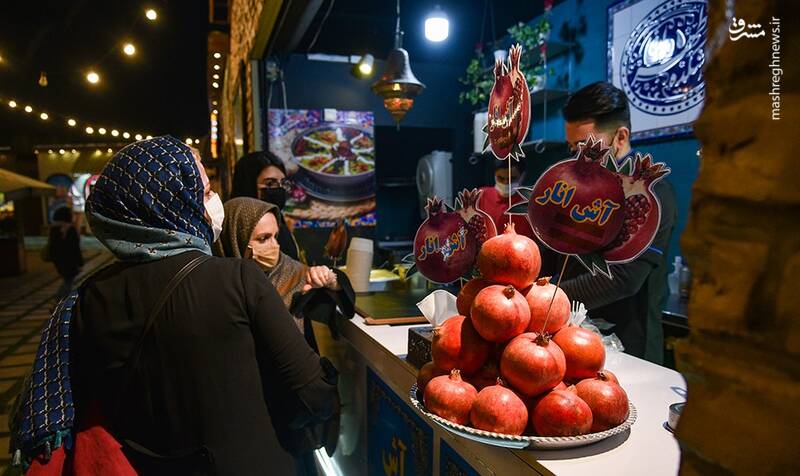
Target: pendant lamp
397,85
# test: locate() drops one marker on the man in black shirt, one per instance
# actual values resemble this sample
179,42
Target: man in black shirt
634,297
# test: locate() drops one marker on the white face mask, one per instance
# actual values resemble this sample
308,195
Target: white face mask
505,189
216,212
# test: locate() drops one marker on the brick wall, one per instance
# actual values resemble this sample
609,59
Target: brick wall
742,359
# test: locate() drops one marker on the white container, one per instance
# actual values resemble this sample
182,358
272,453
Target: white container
359,263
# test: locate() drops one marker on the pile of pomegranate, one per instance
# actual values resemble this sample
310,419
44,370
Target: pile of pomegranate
507,366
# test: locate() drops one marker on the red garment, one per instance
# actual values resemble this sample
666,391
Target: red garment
496,205
94,453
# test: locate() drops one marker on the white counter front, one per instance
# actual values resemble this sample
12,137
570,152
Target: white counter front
647,449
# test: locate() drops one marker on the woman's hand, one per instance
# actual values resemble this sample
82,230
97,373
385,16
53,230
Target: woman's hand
320,277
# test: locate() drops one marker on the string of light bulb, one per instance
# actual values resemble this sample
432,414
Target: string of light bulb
71,121
91,74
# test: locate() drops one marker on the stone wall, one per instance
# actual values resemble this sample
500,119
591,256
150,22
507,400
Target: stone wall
742,358
250,22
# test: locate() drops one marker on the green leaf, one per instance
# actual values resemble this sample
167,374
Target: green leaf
518,209
595,263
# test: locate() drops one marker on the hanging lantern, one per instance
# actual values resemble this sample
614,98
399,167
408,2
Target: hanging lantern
43,79
397,85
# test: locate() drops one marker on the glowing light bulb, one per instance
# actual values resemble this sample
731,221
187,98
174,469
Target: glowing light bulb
114,132
188,141
126,135
217,55
62,151
215,85
92,77
138,137
196,141
148,137
216,67
28,109
129,49
12,104
110,150
44,116
102,131
89,130
72,122
437,27
151,14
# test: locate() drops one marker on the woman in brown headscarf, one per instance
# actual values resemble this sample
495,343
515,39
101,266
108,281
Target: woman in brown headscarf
310,293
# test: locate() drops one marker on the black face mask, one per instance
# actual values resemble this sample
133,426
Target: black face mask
275,196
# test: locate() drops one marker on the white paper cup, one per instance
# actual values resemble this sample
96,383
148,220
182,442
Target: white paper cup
359,263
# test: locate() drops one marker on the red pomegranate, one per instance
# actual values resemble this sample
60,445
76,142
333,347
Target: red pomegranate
425,374
608,375
583,350
500,313
510,258
608,401
561,413
479,223
456,345
486,375
443,248
539,296
532,364
450,397
642,210
576,205
509,113
468,293
499,409
531,403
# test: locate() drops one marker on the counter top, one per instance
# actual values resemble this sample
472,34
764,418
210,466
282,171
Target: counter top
647,449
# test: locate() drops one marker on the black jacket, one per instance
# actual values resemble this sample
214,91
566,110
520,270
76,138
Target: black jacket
65,250
222,369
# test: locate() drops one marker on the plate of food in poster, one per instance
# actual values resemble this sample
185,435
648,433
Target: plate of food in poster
330,158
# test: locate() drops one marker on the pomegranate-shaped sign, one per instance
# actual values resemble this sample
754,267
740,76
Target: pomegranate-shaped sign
641,209
479,223
444,249
509,114
576,205
588,207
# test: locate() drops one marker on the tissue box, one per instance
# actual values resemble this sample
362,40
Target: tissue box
419,345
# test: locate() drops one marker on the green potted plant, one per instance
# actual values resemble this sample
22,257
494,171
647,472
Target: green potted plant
479,76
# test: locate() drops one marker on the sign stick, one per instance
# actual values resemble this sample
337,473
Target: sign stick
558,283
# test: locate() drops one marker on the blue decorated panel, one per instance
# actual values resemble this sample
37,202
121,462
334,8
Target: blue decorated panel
656,54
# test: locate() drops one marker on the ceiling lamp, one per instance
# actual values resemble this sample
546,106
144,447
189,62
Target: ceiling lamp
437,26
363,69
397,85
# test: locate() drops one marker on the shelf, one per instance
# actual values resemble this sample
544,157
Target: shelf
398,183
529,148
541,95
557,48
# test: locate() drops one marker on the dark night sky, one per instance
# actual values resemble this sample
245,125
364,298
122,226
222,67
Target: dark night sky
160,90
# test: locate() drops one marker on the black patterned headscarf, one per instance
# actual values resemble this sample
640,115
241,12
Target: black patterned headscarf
148,202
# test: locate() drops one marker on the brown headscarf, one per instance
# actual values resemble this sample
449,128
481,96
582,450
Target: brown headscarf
242,214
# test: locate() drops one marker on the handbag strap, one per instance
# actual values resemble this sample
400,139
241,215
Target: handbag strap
133,359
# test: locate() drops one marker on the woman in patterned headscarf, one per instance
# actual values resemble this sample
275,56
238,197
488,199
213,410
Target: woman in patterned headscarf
183,389
310,293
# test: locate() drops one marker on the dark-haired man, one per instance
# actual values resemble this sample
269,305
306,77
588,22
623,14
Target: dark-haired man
634,299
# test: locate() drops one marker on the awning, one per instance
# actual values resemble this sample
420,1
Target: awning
15,186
